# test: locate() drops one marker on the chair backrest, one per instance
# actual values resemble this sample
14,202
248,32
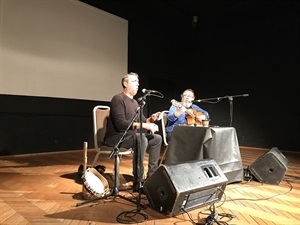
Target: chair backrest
164,122
100,116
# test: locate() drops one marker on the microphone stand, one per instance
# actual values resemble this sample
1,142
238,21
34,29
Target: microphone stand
138,155
138,164
115,152
230,98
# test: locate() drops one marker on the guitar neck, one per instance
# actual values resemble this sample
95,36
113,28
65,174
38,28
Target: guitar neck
180,105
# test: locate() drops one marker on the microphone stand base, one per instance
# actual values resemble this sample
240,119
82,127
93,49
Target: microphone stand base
115,193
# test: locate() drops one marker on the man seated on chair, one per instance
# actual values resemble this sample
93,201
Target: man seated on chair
123,112
185,113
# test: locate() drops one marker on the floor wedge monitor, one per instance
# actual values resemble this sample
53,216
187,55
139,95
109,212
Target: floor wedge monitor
270,168
177,188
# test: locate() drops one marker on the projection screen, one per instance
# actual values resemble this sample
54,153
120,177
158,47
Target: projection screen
61,48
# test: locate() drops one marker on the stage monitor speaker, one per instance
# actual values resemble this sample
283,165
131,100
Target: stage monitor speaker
177,188
270,168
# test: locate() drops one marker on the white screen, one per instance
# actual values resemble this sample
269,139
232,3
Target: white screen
61,48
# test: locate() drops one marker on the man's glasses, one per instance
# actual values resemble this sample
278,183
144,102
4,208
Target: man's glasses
188,96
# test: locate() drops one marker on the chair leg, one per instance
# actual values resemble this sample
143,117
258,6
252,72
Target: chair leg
163,156
95,159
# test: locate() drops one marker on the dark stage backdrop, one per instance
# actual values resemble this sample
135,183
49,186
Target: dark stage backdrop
238,47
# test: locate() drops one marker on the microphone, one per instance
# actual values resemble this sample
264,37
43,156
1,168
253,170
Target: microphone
149,91
198,100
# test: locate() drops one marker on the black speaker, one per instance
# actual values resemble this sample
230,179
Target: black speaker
270,168
178,188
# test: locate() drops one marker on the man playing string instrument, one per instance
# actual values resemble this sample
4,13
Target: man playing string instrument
185,113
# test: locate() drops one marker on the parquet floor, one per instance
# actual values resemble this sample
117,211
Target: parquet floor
46,188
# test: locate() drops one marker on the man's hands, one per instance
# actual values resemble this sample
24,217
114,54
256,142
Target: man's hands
154,117
152,127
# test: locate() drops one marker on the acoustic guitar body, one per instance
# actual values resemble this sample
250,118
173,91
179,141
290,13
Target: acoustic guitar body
191,114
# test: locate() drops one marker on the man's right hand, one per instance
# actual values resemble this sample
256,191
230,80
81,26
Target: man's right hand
152,127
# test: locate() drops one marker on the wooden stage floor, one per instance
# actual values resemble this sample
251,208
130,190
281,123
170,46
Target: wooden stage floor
45,188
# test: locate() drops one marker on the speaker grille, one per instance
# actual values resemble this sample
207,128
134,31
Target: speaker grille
270,168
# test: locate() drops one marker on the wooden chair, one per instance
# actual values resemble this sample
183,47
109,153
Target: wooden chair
100,116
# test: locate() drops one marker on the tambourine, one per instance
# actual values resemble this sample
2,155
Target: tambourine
95,183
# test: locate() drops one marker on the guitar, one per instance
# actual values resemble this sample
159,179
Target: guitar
191,114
